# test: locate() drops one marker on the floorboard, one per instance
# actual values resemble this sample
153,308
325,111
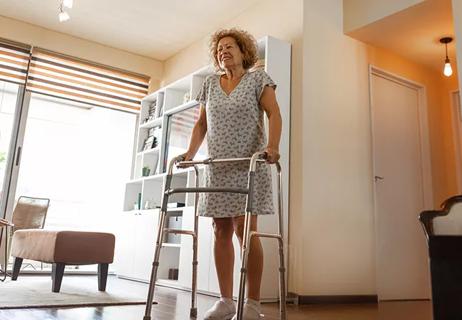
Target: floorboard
174,305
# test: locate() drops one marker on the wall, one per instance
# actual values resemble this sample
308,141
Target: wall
359,13
337,227
37,36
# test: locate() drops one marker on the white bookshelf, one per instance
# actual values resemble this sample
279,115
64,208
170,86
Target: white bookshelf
139,223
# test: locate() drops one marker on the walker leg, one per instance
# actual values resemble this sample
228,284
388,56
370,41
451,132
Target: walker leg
245,256
282,281
193,311
155,266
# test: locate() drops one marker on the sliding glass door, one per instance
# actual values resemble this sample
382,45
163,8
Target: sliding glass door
79,156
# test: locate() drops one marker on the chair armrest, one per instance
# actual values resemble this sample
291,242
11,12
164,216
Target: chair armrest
426,217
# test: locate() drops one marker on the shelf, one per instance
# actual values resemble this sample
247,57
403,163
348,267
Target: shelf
135,181
149,151
171,245
182,107
167,282
154,176
153,123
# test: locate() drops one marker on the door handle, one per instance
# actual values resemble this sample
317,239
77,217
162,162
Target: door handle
377,178
18,156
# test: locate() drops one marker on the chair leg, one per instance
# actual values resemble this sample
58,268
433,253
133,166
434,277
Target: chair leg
16,268
102,276
57,273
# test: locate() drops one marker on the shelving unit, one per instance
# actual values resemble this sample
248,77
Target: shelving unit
175,115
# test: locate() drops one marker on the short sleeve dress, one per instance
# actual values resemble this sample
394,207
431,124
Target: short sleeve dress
235,129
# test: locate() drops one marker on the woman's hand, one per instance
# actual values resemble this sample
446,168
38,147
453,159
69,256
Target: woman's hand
186,156
272,154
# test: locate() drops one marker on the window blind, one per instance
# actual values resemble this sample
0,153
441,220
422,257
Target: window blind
13,63
82,81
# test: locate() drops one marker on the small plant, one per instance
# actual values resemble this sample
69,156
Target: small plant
146,171
2,156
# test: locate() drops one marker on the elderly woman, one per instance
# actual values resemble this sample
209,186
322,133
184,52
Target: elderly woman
233,103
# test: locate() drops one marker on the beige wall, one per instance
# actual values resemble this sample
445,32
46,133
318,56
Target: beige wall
332,234
359,13
337,228
33,35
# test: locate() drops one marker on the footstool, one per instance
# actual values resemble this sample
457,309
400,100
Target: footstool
61,248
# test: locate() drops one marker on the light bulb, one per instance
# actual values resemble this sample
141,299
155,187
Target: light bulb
68,3
63,16
447,68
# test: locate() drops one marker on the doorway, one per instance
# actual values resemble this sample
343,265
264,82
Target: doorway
402,185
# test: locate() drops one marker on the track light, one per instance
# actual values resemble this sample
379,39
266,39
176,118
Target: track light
447,71
68,3
63,15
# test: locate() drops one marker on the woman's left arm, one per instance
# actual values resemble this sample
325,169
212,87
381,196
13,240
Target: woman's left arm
270,106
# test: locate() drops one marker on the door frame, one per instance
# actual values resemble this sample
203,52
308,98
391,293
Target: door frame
456,126
424,144
14,154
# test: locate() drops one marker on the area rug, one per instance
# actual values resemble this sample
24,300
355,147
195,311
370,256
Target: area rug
76,291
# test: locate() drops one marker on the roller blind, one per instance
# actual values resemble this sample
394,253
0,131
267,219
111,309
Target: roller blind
82,81
13,63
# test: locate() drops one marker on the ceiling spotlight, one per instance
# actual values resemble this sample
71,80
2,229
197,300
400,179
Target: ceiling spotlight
447,71
63,15
68,3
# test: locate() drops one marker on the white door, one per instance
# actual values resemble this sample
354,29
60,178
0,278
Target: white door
402,265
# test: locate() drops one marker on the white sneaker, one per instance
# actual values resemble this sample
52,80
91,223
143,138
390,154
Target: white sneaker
250,313
220,311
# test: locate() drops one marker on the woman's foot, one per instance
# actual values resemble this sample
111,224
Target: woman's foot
252,311
221,310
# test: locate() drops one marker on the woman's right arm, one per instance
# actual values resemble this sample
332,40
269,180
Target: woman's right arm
197,135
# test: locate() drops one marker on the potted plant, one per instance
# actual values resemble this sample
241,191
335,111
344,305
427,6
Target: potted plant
145,172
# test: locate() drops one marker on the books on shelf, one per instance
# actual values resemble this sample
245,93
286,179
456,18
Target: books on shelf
153,112
171,205
152,139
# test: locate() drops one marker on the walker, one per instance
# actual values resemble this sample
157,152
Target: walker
180,163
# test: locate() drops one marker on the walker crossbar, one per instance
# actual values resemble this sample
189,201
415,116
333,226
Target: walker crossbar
207,190
162,229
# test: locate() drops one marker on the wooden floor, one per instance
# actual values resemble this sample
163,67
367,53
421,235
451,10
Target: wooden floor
174,305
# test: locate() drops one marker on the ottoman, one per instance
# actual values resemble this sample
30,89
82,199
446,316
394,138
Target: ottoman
61,248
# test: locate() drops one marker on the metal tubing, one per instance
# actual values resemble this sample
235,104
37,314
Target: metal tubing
155,266
282,269
206,190
193,311
247,236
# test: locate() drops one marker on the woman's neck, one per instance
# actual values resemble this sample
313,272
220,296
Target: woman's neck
234,72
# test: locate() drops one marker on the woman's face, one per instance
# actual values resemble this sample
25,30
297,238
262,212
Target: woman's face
228,53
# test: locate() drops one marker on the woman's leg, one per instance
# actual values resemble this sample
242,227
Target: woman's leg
224,254
255,262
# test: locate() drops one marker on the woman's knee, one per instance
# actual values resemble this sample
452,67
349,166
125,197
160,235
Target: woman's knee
223,228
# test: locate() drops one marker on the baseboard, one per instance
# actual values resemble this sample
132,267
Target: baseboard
347,299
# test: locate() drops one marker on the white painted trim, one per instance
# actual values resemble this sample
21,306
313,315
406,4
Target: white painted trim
456,124
424,142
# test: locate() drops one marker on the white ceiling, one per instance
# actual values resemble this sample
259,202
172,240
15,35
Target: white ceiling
153,28
414,33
